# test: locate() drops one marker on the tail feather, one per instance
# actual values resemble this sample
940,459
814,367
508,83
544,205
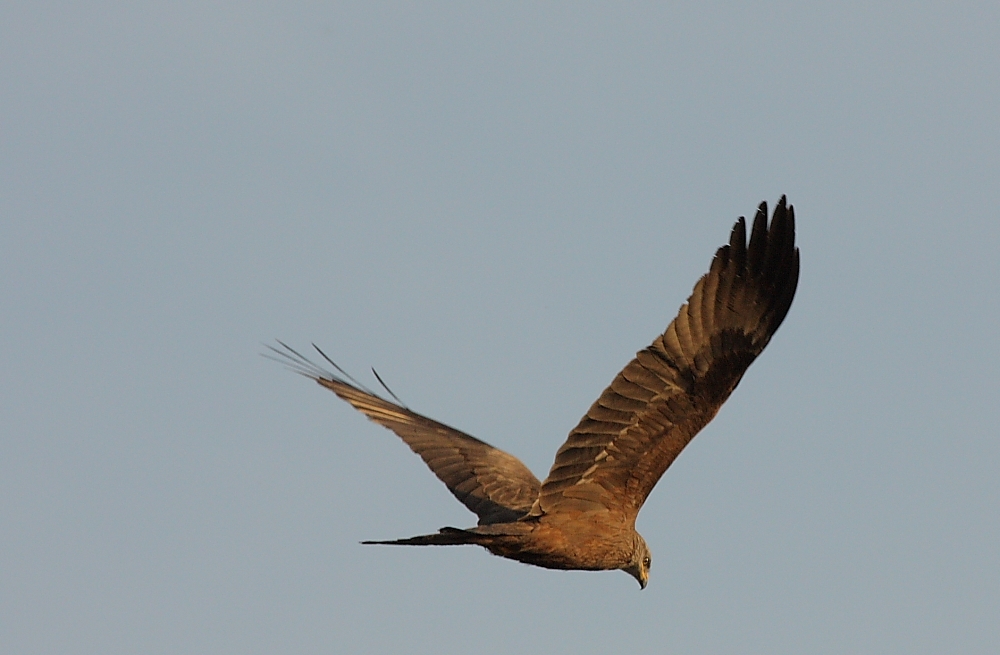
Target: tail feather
444,537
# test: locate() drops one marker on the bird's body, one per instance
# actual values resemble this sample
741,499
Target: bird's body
594,541
583,515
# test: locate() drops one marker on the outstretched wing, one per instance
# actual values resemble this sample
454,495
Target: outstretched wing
493,484
673,388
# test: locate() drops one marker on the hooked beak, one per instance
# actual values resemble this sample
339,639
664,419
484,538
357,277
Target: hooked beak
641,576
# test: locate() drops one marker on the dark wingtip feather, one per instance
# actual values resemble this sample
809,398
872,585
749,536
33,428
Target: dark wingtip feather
758,241
738,243
295,362
738,235
299,363
388,390
782,263
791,222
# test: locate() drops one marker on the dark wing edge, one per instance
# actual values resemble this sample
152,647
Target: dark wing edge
493,484
629,437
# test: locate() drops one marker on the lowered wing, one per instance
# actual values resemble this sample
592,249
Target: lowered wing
495,485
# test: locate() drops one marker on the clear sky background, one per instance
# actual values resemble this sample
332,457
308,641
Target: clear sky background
495,207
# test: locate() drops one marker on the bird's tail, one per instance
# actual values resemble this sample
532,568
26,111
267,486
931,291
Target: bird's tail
444,537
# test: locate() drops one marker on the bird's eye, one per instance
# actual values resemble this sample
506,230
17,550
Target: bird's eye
646,562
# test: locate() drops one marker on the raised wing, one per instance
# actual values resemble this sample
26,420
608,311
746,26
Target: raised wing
495,485
673,388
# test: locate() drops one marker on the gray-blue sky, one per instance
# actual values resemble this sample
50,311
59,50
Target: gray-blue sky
496,207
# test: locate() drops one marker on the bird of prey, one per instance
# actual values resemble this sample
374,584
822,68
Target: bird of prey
583,515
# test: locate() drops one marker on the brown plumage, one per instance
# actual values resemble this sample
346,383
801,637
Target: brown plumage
583,515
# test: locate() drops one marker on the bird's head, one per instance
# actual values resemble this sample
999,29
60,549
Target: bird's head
641,560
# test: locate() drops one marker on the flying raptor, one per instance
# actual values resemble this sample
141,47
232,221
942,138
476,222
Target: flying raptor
583,515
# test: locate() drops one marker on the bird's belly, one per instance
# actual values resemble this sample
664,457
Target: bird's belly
578,545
